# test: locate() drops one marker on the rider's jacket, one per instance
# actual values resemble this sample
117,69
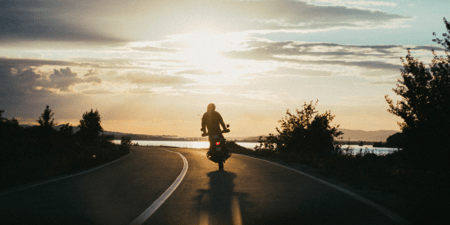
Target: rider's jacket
212,122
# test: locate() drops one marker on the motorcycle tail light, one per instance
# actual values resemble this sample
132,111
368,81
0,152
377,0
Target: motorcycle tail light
218,143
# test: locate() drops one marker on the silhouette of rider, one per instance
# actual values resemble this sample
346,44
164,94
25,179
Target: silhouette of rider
212,120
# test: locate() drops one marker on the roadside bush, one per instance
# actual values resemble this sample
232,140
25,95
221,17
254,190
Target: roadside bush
306,134
37,152
235,148
424,106
125,140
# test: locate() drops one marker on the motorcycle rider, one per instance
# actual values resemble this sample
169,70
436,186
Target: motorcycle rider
212,120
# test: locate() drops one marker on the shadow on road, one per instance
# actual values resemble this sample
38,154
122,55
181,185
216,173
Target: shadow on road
220,204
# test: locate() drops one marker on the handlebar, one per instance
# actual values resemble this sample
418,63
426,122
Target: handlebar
204,134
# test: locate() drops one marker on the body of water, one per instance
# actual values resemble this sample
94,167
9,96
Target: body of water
356,149
186,144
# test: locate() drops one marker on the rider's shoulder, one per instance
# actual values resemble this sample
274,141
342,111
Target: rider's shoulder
214,114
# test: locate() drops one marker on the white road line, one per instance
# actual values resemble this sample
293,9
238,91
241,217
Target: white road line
61,178
236,211
203,217
153,207
393,216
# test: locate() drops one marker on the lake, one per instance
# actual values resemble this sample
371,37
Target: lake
186,144
251,145
369,149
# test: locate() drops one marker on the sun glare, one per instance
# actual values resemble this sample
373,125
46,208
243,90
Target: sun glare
204,48
204,52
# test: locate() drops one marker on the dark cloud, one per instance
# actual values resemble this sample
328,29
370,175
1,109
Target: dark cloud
109,21
90,73
321,49
82,62
330,54
19,77
112,63
429,48
64,78
41,20
25,91
24,63
18,83
291,14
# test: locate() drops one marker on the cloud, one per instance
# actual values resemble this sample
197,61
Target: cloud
321,54
300,72
112,21
40,20
17,83
141,78
329,50
90,73
260,95
390,83
96,91
112,63
64,78
155,49
286,15
24,63
197,72
361,3
141,91
21,77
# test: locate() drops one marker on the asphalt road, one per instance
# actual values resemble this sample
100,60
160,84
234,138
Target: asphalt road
248,191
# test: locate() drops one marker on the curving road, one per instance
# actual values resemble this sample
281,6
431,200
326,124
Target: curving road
248,191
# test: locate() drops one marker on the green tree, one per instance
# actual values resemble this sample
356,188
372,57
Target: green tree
1,116
90,127
45,134
66,130
10,135
395,140
125,140
306,132
425,109
46,119
6,122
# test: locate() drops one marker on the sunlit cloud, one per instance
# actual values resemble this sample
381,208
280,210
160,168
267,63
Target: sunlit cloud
142,78
163,57
358,3
111,21
260,95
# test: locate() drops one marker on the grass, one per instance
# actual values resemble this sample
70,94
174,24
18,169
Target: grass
24,170
419,197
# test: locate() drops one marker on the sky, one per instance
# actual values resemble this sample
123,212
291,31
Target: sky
152,67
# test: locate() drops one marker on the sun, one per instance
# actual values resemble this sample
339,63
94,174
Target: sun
203,49
205,52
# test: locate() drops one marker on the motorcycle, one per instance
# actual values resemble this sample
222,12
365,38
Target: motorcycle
218,151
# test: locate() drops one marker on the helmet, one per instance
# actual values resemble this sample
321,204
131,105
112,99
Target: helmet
211,107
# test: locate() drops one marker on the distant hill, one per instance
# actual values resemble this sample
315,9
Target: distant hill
118,135
353,135
370,136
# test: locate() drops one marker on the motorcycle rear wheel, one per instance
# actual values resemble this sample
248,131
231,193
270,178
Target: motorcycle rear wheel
220,165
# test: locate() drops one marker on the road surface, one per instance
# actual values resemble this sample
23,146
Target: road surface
248,191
